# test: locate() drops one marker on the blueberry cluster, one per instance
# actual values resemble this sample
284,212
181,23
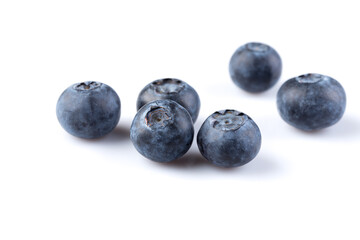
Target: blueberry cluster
163,130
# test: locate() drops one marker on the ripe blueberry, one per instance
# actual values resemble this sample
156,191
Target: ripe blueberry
311,101
229,138
162,131
173,89
255,67
88,109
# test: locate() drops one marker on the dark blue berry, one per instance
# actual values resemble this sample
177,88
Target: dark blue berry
88,109
255,67
162,131
229,138
311,101
173,89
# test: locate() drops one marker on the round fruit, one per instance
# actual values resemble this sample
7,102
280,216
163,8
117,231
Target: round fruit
255,67
229,138
162,131
88,109
311,101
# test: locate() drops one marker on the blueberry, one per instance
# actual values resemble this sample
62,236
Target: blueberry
229,138
255,67
162,130
311,101
173,89
88,109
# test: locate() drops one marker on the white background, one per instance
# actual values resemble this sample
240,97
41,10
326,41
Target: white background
55,186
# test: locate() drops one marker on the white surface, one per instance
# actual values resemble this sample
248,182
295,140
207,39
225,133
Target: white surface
55,186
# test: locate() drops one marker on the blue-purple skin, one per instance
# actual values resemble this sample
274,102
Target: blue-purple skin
311,101
88,109
229,138
162,131
255,67
173,89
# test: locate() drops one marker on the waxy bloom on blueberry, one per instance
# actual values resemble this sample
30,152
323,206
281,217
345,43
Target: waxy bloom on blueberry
255,67
311,101
162,131
229,138
172,89
88,109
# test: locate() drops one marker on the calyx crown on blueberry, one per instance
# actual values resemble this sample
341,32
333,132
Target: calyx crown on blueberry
311,101
255,67
172,89
158,116
88,109
89,85
227,120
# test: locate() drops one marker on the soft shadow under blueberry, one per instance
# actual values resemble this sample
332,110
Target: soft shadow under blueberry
189,160
346,128
119,134
269,94
261,165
